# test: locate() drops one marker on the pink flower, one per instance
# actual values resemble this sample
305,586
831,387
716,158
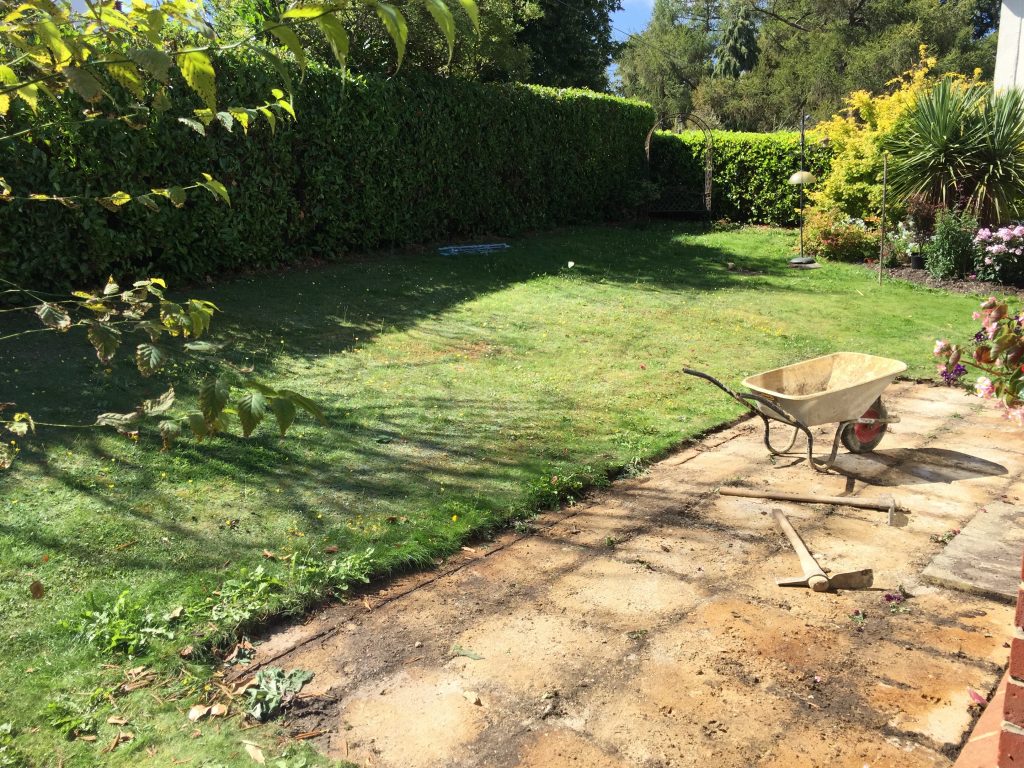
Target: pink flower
976,315
1018,231
989,261
941,347
984,388
983,236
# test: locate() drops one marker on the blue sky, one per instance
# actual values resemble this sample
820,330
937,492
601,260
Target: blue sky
632,18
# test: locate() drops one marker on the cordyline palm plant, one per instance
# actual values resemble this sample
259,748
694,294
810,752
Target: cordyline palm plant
961,145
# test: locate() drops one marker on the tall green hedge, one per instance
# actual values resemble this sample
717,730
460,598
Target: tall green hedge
370,162
751,171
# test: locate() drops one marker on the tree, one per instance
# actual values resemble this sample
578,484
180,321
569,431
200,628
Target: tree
737,50
571,43
804,56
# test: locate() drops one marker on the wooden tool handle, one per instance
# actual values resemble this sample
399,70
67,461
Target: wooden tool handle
816,578
847,501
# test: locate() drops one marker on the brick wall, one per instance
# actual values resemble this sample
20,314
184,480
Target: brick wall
1011,740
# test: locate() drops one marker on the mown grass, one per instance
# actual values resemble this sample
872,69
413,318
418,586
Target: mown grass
461,393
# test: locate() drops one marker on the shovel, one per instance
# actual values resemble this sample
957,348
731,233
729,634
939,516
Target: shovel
814,577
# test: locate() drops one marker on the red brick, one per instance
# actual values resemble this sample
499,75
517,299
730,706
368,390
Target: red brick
1013,707
1011,750
1019,620
1017,658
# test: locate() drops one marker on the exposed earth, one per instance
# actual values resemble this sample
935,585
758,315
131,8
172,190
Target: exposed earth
922,277
643,626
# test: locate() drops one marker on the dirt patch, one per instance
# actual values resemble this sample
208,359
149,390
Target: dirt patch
643,627
922,277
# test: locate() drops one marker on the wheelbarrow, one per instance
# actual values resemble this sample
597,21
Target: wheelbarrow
844,387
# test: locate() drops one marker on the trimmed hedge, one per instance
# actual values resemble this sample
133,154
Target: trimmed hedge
751,171
370,163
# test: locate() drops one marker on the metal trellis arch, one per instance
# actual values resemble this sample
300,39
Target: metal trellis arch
682,198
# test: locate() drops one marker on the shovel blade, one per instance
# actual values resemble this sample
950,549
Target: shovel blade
852,580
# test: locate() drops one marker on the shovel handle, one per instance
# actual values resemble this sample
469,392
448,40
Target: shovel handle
816,578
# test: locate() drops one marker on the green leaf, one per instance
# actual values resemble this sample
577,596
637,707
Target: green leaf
151,328
105,339
215,187
337,37
226,120
112,287
84,83
19,428
271,118
471,9
445,22
251,408
118,420
289,40
278,65
53,316
304,403
213,397
155,62
198,425
171,431
160,405
394,23
305,12
147,201
149,359
197,69
195,125
129,77
50,36
284,412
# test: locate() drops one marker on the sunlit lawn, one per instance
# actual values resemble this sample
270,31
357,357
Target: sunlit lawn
455,388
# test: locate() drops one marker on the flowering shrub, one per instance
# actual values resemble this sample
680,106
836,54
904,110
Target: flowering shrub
1001,259
839,237
998,349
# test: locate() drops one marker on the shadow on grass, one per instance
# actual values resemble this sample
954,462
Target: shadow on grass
319,312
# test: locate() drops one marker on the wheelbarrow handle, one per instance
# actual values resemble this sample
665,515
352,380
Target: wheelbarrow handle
707,377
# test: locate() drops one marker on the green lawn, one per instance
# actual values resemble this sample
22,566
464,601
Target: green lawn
456,389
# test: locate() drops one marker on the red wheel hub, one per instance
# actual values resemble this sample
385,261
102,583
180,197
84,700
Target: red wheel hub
867,432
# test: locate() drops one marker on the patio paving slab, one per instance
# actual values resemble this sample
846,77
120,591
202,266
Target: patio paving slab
985,556
642,627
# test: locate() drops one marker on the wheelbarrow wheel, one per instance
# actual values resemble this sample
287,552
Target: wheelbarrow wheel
864,438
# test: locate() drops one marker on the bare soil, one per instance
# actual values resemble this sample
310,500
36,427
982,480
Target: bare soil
643,627
921,277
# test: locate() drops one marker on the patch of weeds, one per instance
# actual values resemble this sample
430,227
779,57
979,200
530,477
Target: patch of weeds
944,538
897,601
10,755
71,718
859,619
246,596
122,626
314,576
558,486
524,527
610,542
273,689
637,634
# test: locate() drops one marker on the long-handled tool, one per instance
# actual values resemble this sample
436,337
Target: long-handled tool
814,577
890,506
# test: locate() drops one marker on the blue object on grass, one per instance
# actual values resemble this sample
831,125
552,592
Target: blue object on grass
455,250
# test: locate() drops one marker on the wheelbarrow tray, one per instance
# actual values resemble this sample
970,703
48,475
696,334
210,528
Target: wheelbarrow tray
833,388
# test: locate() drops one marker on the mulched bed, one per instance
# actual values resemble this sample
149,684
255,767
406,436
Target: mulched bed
921,277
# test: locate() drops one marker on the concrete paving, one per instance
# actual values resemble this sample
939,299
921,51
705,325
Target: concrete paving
985,556
643,626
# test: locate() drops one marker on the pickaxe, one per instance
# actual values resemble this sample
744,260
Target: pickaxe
814,577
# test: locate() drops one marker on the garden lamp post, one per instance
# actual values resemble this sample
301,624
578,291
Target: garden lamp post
802,178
